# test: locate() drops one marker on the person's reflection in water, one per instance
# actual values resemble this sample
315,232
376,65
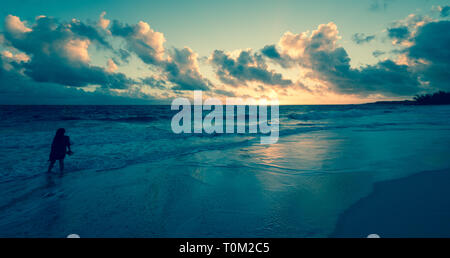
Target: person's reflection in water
60,146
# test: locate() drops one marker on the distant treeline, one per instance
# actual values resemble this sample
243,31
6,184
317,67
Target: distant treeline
438,98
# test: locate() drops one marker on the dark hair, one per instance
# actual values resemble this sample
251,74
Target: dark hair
59,136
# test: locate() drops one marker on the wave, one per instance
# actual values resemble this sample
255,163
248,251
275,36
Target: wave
331,114
138,119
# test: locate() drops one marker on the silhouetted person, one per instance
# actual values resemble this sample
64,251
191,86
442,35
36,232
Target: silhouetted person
60,146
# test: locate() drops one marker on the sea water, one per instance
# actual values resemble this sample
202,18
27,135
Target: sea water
327,158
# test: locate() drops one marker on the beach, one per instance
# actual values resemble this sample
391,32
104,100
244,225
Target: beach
416,206
335,172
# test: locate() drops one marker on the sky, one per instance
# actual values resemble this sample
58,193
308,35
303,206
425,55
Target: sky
150,52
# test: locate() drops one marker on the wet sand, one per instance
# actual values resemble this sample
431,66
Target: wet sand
415,206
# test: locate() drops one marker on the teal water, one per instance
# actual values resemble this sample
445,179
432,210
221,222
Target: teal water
131,176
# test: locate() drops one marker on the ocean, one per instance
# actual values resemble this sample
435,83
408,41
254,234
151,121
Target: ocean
132,176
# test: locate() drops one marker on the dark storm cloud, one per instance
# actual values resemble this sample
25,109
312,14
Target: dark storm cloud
246,67
361,38
58,54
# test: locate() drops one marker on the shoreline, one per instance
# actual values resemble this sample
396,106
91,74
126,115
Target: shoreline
413,206
252,191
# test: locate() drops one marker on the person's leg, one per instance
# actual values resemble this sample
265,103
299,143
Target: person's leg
50,166
61,165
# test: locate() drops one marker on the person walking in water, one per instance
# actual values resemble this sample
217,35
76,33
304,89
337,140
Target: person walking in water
60,146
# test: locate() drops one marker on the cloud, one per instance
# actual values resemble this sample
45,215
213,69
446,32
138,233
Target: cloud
77,50
361,38
88,31
385,77
424,45
179,66
50,52
378,53
431,42
154,82
243,68
17,58
59,54
15,26
142,40
102,22
271,52
15,88
444,10
224,93
298,46
399,33
111,66
427,66
182,70
295,49
402,31
329,63
47,53
431,53
123,55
